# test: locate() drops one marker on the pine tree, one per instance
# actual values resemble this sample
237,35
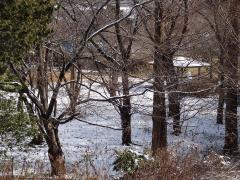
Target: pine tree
23,25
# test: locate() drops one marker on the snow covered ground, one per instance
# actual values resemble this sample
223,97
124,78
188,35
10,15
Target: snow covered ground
85,143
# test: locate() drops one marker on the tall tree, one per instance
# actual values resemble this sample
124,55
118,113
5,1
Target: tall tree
231,76
46,95
171,27
215,14
168,18
120,63
159,132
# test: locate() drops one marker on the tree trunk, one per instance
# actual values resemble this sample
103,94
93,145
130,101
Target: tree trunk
125,111
220,109
231,128
126,126
173,96
55,152
159,131
174,110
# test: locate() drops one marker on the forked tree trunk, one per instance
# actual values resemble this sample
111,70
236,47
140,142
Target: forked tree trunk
55,152
231,125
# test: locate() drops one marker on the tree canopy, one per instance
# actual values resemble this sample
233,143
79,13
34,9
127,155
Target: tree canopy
23,25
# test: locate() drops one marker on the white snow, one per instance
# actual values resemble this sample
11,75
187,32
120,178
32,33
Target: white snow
81,141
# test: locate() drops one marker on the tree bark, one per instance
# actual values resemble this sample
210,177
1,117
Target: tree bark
173,96
231,128
175,112
125,111
126,126
159,131
55,152
220,110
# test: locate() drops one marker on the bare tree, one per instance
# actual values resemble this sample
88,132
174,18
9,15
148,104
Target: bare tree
215,13
45,97
172,17
231,76
169,17
120,42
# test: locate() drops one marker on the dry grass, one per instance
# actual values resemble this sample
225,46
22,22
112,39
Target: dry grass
166,166
39,171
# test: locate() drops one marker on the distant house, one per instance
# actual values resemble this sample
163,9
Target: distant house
189,67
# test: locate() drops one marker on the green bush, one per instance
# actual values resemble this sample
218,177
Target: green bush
127,161
15,125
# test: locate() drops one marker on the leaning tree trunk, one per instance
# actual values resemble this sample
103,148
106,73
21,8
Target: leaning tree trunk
231,127
125,111
55,152
220,109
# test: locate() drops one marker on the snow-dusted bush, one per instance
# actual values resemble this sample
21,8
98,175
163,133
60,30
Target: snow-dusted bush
128,161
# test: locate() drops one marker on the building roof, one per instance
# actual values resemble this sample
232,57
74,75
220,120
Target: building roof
185,62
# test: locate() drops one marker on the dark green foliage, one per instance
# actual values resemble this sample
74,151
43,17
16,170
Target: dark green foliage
23,25
15,125
127,161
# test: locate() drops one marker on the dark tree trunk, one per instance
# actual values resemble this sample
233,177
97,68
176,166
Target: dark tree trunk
231,128
126,126
174,110
173,96
220,109
55,152
159,131
125,111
